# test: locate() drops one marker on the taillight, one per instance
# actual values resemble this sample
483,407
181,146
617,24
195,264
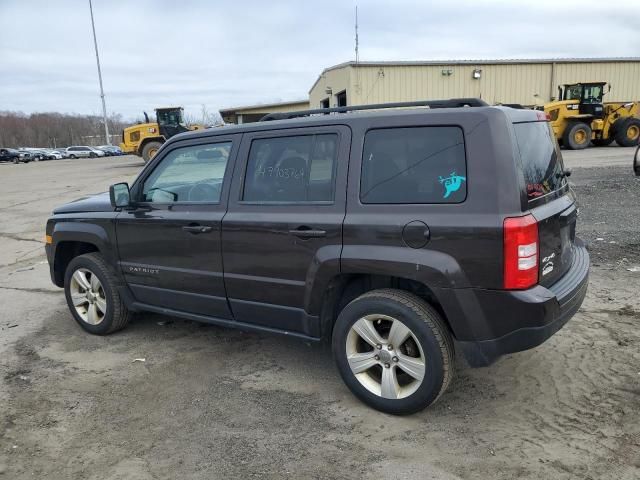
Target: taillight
520,252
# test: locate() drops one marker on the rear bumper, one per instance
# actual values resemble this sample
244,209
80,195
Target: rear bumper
543,311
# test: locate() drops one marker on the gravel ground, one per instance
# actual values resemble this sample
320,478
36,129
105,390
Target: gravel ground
209,402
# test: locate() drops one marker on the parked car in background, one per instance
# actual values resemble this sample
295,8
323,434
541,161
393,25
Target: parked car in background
35,154
110,150
12,155
53,154
83,151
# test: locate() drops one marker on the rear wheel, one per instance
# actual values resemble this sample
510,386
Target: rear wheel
92,155
149,151
628,133
577,136
393,351
92,295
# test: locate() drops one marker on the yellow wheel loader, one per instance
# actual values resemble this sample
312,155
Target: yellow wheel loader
580,118
144,139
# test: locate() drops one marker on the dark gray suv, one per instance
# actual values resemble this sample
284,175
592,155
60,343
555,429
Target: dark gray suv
399,235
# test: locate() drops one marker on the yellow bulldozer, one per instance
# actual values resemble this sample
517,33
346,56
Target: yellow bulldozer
144,139
580,118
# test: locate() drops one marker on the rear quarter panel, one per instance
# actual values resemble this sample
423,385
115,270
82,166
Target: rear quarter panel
465,247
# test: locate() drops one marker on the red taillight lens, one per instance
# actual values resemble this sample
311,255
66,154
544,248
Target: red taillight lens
520,252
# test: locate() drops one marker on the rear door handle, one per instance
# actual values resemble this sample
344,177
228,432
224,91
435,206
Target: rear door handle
306,232
195,229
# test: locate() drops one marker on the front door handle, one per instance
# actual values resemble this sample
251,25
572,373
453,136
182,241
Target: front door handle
195,229
306,232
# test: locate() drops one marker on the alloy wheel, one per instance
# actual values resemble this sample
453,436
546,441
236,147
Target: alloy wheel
88,296
385,356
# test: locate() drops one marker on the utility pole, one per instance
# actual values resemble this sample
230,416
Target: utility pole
104,106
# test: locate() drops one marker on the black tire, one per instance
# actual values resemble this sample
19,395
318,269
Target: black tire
427,327
577,136
602,142
636,162
149,150
117,315
16,161
72,156
627,134
92,155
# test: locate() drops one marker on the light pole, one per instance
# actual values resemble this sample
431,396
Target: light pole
104,106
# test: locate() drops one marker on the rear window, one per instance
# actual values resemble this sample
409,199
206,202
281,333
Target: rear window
541,159
414,165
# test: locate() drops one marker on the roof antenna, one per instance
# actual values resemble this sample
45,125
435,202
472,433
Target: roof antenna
357,54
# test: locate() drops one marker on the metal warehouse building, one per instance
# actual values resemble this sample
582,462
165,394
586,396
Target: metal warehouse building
527,82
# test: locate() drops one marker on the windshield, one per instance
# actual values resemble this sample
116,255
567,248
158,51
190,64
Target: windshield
541,159
170,117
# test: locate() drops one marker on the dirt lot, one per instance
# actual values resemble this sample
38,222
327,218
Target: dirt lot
216,403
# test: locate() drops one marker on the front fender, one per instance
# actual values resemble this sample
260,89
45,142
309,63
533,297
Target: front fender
99,233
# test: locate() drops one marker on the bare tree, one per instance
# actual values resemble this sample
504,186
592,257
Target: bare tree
55,129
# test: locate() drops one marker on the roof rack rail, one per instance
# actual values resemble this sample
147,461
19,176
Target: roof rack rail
452,103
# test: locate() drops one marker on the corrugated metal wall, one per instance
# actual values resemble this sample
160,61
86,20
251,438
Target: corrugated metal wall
526,83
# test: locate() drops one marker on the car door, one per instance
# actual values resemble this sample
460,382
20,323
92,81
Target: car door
169,241
284,224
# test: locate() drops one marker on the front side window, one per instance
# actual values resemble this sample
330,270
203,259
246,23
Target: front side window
189,174
414,165
291,169
574,92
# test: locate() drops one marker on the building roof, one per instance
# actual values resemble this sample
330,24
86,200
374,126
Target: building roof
506,61
262,105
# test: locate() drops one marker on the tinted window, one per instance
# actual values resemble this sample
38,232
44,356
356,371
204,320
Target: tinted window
414,165
189,174
541,159
291,169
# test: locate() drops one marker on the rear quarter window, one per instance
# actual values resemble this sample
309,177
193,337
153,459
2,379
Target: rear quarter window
414,165
541,159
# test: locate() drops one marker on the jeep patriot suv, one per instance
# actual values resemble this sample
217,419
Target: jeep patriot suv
396,234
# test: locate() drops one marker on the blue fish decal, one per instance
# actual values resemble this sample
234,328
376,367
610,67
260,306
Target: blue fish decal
452,183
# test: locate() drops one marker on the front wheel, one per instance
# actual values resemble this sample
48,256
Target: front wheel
628,133
72,156
393,350
92,155
92,295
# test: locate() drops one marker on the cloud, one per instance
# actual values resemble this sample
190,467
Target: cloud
227,53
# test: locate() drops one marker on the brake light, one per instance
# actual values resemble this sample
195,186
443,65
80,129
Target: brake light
543,115
520,252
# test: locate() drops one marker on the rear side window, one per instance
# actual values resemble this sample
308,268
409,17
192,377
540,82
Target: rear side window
291,169
541,159
414,165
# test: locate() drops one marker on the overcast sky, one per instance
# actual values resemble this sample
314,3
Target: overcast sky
230,53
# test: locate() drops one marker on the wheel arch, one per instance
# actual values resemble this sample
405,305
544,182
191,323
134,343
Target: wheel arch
344,288
72,239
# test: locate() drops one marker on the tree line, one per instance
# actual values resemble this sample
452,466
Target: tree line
56,130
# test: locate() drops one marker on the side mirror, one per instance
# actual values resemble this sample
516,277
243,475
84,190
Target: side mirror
119,195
